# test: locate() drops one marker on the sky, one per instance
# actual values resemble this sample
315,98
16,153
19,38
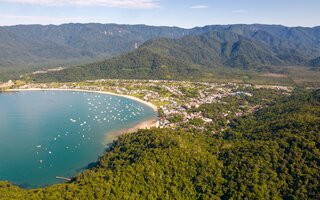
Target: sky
181,13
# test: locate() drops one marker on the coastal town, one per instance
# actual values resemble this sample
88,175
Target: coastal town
177,102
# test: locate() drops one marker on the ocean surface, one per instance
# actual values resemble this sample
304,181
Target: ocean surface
44,134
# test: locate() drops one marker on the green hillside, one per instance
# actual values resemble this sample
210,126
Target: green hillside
27,48
37,45
192,57
140,64
270,154
315,63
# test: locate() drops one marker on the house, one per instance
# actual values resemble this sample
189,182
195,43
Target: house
7,84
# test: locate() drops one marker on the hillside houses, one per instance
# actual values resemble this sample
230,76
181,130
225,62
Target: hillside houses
168,96
6,84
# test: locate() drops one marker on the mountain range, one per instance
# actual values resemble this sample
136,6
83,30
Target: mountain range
27,45
140,51
202,50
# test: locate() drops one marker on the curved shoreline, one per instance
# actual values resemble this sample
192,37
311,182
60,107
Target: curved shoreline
147,124
155,108
110,136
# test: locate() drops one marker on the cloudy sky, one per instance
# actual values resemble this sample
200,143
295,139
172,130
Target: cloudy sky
183,13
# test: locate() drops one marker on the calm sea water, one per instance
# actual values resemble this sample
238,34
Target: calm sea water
44,134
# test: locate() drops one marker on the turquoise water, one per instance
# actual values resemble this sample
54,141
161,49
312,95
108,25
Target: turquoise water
44,134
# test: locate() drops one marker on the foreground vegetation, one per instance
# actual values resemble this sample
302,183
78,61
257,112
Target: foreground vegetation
270,154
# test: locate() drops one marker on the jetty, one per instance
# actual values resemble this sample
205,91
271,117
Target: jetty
63,178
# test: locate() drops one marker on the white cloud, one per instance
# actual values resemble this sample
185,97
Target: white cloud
199,7
144,4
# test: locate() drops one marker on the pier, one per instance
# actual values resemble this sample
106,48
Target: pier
63,178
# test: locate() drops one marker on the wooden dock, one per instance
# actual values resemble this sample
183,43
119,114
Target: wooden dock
63,178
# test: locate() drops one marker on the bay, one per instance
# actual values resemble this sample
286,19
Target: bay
44,134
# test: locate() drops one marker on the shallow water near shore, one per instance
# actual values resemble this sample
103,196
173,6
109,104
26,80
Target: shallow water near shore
44,134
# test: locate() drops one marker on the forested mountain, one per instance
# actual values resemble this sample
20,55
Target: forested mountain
315,63
27,45
220,48
163,52
255,47
270,154
304,41
140,64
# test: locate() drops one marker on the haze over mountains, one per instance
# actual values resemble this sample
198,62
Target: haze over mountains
164,52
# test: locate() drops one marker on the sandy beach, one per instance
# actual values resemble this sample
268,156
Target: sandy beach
131,129
115,134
